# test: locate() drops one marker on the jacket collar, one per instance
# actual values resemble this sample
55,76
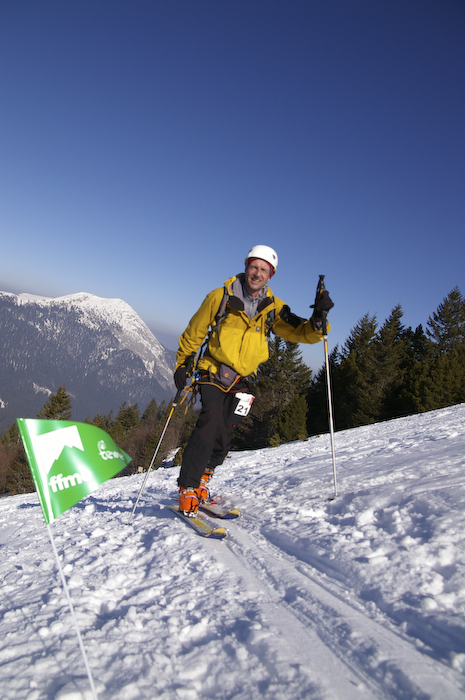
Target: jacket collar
241,301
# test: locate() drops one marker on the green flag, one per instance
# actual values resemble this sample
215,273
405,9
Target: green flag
68,461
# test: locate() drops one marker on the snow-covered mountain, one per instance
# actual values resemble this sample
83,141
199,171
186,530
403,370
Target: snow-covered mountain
357,598
99,348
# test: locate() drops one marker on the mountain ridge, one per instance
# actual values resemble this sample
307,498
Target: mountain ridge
99,348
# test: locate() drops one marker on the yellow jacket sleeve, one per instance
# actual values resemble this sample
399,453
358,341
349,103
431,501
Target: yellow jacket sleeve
194,335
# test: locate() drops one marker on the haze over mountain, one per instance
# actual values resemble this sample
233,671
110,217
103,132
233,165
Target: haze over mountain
100,349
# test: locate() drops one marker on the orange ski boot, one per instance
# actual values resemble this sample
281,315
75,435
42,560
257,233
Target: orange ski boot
203,491
188,501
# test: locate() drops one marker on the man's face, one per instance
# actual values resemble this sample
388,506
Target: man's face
257,274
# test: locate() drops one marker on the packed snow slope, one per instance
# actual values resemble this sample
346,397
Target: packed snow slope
358,597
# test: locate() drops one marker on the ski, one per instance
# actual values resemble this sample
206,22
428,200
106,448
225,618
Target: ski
201,525
217,510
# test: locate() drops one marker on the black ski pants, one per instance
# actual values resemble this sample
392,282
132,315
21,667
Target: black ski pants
210,440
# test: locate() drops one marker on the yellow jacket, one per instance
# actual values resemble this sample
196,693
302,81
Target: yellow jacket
241,343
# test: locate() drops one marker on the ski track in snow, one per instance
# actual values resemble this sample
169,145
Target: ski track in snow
362,596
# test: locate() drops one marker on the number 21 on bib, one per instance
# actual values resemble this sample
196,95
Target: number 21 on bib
245,403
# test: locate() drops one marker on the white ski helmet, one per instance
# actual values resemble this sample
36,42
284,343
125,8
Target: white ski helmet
264,252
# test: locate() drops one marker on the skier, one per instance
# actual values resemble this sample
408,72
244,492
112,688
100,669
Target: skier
231,329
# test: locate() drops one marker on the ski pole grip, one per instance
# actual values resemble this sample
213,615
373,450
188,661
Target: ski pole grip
320,288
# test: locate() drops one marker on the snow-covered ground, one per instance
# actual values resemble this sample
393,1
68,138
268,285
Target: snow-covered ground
358,597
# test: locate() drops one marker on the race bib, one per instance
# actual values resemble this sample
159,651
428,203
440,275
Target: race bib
245,403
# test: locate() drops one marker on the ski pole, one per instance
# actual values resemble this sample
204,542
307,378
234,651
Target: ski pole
189,366
175,403
320,288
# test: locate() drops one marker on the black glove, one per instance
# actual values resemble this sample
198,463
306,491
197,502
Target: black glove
322,305
324,302
180,377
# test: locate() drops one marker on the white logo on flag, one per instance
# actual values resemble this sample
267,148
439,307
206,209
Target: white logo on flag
49,446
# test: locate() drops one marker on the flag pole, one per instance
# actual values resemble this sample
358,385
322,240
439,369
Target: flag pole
48,445
73,614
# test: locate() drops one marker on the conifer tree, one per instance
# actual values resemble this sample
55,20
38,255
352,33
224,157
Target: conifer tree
446,331
317,396
392,364
446,326
15,475
360,404
352,370
152,411
58,406
291,424
415,388
278,414
127,420
103,422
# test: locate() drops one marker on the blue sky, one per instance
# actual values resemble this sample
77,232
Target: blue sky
146,146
